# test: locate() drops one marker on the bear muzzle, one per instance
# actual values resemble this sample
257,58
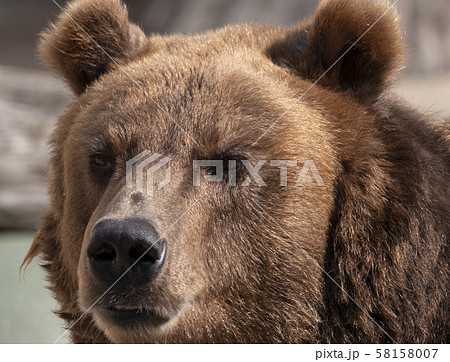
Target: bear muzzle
128,253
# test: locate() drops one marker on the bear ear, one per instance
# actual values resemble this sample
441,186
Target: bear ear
85,39
352,46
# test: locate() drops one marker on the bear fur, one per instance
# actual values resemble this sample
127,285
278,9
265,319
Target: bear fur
363,258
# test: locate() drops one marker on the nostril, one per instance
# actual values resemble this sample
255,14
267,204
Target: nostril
144,253
105,252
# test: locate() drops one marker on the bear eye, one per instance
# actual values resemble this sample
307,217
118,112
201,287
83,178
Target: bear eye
233,167
101,167
99,161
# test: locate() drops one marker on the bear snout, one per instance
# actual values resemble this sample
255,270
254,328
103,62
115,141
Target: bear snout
129,250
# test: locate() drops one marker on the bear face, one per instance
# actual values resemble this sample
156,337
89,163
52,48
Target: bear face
242,262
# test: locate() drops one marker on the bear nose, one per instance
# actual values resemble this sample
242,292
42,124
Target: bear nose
129,249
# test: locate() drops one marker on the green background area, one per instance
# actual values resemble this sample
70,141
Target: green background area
25,304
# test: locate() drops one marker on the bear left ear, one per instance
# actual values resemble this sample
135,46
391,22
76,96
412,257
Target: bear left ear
365,70
80,45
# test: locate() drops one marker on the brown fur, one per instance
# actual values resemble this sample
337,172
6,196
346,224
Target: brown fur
247,264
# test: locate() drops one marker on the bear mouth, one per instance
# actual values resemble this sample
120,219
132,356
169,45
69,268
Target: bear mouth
128,316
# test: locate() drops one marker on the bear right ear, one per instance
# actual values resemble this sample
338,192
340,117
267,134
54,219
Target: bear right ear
86,38
351,46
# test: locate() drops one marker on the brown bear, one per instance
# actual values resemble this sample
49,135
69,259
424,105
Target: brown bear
358,251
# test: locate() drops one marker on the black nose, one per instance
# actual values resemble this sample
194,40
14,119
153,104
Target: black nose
129,249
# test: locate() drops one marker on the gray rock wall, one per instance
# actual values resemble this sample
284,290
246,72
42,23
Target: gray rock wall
29,103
